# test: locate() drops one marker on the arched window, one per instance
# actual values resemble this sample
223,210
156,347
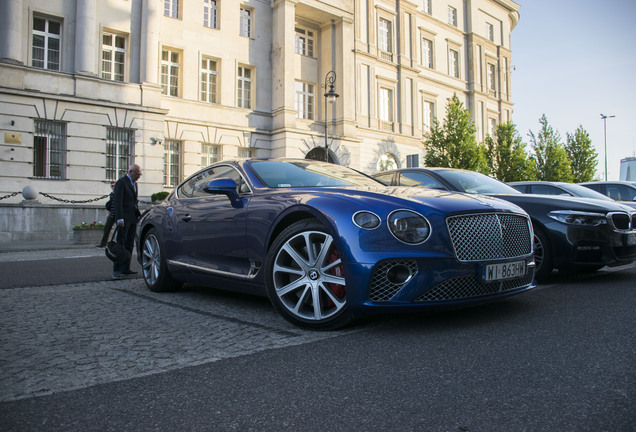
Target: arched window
387,162
318,153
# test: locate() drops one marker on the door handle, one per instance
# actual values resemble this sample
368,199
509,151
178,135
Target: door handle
186,218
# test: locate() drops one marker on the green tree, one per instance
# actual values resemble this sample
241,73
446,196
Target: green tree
507,157
551,159
453,144
582,155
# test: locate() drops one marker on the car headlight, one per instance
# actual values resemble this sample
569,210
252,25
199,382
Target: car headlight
573,217
366,220
409,227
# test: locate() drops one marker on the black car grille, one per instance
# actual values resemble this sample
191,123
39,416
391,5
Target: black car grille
382,285
489,236
469,286
623,221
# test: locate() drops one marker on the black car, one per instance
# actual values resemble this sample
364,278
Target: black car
622,191
569,232
557,188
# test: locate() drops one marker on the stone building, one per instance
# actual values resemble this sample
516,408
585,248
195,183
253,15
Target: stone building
89,86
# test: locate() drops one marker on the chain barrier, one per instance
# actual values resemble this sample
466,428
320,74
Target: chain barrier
68,201
9,195
72,201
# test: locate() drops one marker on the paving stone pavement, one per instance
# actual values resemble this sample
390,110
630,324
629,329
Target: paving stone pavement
66,337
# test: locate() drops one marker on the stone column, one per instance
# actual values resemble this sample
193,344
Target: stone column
86,37
149,52
283,34
11,31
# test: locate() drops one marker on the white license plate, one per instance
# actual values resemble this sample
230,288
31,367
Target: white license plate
630,239
508,270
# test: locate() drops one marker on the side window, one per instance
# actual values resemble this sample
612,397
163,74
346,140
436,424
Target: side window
193,188
547,190
419,179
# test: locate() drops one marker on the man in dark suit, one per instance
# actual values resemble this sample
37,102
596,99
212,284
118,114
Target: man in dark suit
126,214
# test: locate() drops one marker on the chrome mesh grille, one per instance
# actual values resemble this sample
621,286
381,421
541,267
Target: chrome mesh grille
469,286
489,236
381,288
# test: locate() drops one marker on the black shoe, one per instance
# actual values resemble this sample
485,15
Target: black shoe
128,272
100,246
116,275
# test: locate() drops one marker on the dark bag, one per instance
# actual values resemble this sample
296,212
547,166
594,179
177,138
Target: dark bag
116,252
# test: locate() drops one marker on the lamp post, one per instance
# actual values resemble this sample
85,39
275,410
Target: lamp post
604,117
330,97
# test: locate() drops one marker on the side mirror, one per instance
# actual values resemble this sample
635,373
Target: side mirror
224,186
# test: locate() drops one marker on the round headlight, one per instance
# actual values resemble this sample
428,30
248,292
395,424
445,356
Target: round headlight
409,227
366,220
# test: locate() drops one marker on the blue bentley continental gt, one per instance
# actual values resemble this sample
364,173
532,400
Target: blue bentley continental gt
326,243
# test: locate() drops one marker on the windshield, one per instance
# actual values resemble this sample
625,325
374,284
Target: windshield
308,173
582,191
475,183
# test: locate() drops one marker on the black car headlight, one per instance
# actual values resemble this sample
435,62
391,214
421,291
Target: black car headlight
409,227
573,217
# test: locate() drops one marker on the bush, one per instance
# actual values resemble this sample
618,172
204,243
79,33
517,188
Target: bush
159,196
92,226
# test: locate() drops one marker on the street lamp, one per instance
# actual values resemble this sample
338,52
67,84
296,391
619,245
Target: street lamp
330,97
604,117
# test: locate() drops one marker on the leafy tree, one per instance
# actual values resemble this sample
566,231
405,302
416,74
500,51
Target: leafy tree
507,157
551,159
582,155
453,144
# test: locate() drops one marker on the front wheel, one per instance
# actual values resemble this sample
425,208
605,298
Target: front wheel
542,255
305,277
153,264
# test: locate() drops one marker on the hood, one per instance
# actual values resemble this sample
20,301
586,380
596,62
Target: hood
440,200
559,202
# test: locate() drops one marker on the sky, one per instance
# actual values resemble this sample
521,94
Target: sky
574,60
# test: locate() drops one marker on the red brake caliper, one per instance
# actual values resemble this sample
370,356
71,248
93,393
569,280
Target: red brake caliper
337,289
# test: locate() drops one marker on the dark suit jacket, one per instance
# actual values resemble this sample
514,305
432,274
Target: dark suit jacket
125,201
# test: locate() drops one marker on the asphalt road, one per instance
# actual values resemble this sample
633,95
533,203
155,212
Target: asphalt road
103,355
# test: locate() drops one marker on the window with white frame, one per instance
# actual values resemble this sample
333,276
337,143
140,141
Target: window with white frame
491,76
426,6
412,161
209,77
387,162
453,63
305,100
427,53
244,87
244,152
113,56
452,16
119,151
210,153
49,149
170,68
490,30
46,43
427,116
384,35
492,127
246,22
171,8
210,14
305,40
171,163
386,104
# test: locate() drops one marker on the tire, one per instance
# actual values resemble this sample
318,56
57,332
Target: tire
153,264
305,277
542,255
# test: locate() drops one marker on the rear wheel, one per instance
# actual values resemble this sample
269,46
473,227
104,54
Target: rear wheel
542,255
305,277
153,264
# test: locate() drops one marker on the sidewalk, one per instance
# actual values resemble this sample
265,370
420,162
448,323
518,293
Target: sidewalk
41,245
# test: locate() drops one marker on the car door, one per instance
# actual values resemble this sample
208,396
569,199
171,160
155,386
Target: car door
212,228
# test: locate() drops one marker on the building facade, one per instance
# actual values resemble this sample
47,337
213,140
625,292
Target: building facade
89,86
628,169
